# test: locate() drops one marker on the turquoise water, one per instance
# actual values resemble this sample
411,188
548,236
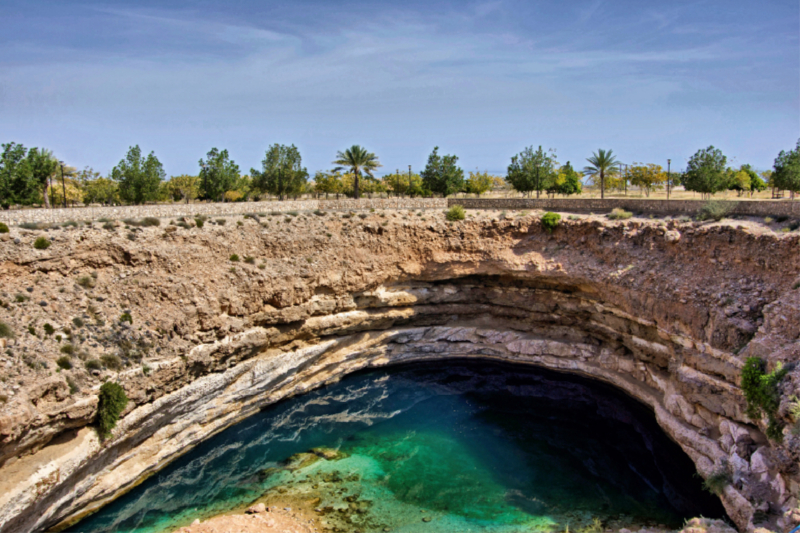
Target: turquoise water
463,446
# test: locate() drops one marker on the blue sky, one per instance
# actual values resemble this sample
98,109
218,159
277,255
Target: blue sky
650,80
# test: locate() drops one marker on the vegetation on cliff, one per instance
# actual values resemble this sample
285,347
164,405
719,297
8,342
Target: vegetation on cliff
761,391
112,402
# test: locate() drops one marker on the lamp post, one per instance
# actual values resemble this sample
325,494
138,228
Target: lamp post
63,186
669,178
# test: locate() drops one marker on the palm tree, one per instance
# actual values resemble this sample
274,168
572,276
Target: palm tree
357,159
602,162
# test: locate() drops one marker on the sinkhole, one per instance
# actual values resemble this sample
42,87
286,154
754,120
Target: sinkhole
435,447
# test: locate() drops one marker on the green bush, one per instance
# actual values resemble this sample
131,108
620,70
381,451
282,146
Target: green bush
249,260
32,330
73,387
716,210
762,394
41,243
126,317
112,401
221,221
150,221
6,331
456,213
111,361
48,329
78,322
64,362
3,227
200,221
67,349
234,258
619,214
550,221
93,364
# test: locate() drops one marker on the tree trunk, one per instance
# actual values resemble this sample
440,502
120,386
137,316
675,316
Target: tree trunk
46,198
602,185
355,184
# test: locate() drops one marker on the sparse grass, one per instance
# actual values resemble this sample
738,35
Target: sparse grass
221,221
239,223
64,362
262,266
67,349
769,220
146,370
309,259
716,482
73,387
30,225
41,243
110,226
550,221
574,217
619,214
93,364
234,258
456,212
126,317
5,331
249,260
87,282
150,221
21,298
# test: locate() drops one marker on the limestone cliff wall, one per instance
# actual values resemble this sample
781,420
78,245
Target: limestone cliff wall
665,311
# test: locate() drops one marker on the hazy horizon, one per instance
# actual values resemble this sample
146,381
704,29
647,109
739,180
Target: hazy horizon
481,80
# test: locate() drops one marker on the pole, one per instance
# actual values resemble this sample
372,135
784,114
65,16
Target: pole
63,186
669,177
409,178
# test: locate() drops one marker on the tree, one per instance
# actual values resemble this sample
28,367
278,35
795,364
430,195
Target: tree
479,182
756,183
532,171
647,177
218,174
705,172
282,173
184,187
16,181
787,170
138,177
404,183
601,164
442,175
357,160
100,191
738,180
328,183
43,166
567,182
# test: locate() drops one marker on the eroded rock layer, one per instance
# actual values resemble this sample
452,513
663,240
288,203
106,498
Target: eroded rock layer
667,312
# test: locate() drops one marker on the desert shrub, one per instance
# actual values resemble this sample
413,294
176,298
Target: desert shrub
716,482
70,224
78,322
234,258
249,260
64,362
131,236
550,221
769,220
30,225
73,387
41,243
221,221
126,317
293,213
574,217
32,330
109,226
619,214
716,210
455,213
67,349
6,331
111,361
150,221
762,394
3,227
129,222
146,370
112,401
200,221
262,266
48,329
93,364
362,216
319,213
87,282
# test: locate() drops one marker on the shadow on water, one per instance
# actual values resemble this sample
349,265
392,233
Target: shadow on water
484,446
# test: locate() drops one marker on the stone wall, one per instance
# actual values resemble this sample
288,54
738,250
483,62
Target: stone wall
661,207
82,214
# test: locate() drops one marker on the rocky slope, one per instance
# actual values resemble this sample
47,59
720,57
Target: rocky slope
667,311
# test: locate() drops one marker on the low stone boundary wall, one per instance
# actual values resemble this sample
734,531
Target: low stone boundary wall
82,214
383,203
657,207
